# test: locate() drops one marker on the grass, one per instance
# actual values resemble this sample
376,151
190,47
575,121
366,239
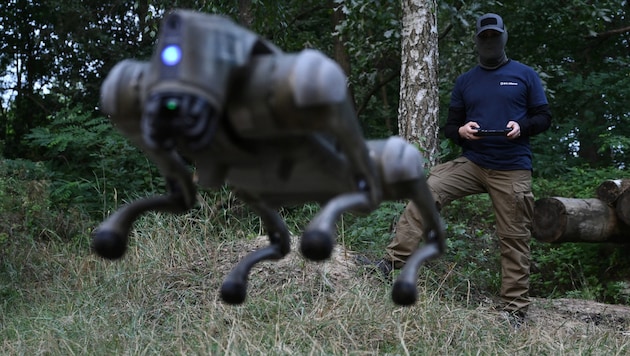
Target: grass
162,298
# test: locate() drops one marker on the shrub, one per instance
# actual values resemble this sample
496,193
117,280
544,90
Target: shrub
89,163
26,207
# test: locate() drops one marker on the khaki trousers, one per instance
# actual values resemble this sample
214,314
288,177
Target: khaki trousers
513,205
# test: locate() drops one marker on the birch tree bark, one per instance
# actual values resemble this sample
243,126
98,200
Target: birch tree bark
419,98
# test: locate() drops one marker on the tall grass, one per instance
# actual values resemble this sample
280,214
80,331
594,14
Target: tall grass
162,298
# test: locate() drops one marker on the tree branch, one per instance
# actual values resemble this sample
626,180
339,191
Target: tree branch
374,89
610,33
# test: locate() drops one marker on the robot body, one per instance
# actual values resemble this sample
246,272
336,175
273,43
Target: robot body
277,128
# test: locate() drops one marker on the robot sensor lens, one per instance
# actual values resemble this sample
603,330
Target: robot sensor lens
171,104
171,55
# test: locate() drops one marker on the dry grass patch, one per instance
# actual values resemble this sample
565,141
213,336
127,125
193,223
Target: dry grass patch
162,298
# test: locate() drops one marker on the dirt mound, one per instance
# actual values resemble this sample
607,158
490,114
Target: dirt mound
572,314
340,267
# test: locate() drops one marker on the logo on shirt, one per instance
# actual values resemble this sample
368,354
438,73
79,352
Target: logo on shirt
508,83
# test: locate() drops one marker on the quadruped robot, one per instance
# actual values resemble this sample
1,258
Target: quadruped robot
277,128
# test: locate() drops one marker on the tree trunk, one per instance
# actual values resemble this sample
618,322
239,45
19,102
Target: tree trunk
419,99
610,190
245,17
142,13
577,220
341,55
622,207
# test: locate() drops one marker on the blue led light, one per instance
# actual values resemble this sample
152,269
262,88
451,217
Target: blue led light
171,55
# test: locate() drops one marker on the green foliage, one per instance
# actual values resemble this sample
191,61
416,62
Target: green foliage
21,201
575,182
581,270
475,259
594,129
372,38
472,253
584,67
90,164
27,210
370,233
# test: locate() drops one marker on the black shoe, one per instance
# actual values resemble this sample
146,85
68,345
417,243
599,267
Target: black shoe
383,267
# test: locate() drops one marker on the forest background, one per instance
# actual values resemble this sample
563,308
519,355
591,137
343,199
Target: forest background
64,168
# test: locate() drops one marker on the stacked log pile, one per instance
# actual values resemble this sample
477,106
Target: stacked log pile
602,219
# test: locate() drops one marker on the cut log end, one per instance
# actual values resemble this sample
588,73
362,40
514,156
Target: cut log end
610,190
550,219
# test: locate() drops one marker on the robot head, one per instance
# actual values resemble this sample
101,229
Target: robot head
188,81
180,95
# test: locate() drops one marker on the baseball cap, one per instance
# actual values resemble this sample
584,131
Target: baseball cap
490,22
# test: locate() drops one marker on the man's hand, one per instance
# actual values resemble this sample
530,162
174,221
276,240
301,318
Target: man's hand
516,130
468,131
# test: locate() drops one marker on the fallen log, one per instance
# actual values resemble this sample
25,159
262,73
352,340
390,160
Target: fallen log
610,190
622,207
577,220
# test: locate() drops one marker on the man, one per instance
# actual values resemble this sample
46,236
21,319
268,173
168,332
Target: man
497,94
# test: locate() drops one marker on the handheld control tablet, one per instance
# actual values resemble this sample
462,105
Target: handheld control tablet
503,132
